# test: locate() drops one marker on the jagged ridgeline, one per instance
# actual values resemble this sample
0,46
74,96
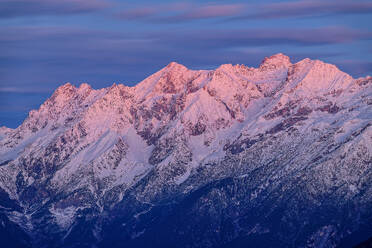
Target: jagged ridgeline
275,156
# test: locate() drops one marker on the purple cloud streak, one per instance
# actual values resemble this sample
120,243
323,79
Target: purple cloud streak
16,8
180,12
306,8
64,54
183,12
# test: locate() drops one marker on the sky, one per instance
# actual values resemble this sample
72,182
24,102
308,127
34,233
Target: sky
46,43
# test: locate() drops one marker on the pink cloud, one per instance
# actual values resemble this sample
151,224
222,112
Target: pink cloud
179,12
138,13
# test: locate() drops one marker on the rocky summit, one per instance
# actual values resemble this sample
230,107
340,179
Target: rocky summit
274,156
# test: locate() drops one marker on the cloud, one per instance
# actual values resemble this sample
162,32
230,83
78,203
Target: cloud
203,12
17,8
187,11
183,12
22,90
358,68
29,43
138,13
212,39
57,54
306,8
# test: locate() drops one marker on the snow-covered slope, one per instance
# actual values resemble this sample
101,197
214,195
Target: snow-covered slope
287,141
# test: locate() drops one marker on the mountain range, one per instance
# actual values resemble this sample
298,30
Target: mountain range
274,156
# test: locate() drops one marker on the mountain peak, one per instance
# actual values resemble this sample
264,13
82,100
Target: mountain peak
225,67
66,86
84,86
175,66
65,90
275,61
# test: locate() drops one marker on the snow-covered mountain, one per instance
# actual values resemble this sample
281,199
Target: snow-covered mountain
275,156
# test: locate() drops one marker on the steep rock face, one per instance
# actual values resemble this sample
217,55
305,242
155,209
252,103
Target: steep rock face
279,154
